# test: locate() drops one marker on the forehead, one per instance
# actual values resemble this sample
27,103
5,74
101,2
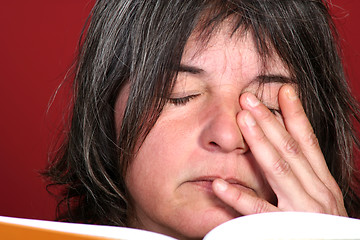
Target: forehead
224,47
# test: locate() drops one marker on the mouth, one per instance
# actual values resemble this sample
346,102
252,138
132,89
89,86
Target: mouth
205,183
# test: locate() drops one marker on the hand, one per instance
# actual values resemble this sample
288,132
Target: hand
290,158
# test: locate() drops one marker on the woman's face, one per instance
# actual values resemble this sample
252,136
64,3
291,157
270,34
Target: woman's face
196,138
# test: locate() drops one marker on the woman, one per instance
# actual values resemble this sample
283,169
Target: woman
187,114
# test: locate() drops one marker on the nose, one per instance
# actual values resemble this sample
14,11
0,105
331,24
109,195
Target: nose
222,133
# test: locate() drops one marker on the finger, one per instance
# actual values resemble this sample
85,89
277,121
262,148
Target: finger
241,200
284,143
289,190
299,127
288,148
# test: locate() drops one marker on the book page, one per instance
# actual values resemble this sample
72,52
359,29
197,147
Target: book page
287,225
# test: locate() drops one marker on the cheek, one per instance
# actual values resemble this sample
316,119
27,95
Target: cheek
156,172
147,179
149,166
160,161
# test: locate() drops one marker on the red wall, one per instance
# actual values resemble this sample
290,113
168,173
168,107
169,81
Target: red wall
37,44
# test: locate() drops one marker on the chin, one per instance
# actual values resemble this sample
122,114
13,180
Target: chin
198,226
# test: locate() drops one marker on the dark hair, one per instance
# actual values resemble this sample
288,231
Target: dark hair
141,43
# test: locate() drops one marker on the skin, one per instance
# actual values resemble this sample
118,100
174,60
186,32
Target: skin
219,150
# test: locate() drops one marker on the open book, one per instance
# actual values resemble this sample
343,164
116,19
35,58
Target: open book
280,225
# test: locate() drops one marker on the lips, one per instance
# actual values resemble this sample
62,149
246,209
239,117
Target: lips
212,178
205,182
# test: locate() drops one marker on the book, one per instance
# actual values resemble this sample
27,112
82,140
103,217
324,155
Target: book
278,225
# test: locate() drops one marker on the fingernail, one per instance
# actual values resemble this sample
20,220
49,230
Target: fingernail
291,94
249,120
221,185
252,101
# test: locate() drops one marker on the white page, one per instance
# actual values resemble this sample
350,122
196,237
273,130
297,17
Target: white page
287,225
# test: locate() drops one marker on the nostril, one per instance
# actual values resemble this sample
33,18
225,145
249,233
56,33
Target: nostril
213,146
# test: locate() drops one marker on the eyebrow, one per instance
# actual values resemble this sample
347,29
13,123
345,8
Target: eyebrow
272,78
189,69
264,78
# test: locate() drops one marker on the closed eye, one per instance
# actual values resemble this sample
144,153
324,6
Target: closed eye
182,100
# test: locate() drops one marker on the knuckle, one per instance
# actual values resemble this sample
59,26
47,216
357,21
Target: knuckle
329,201
238,197
311,139
291,146
333,187
281,167
338,193
260,206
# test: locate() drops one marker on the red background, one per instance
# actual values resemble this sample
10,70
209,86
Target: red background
37,45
